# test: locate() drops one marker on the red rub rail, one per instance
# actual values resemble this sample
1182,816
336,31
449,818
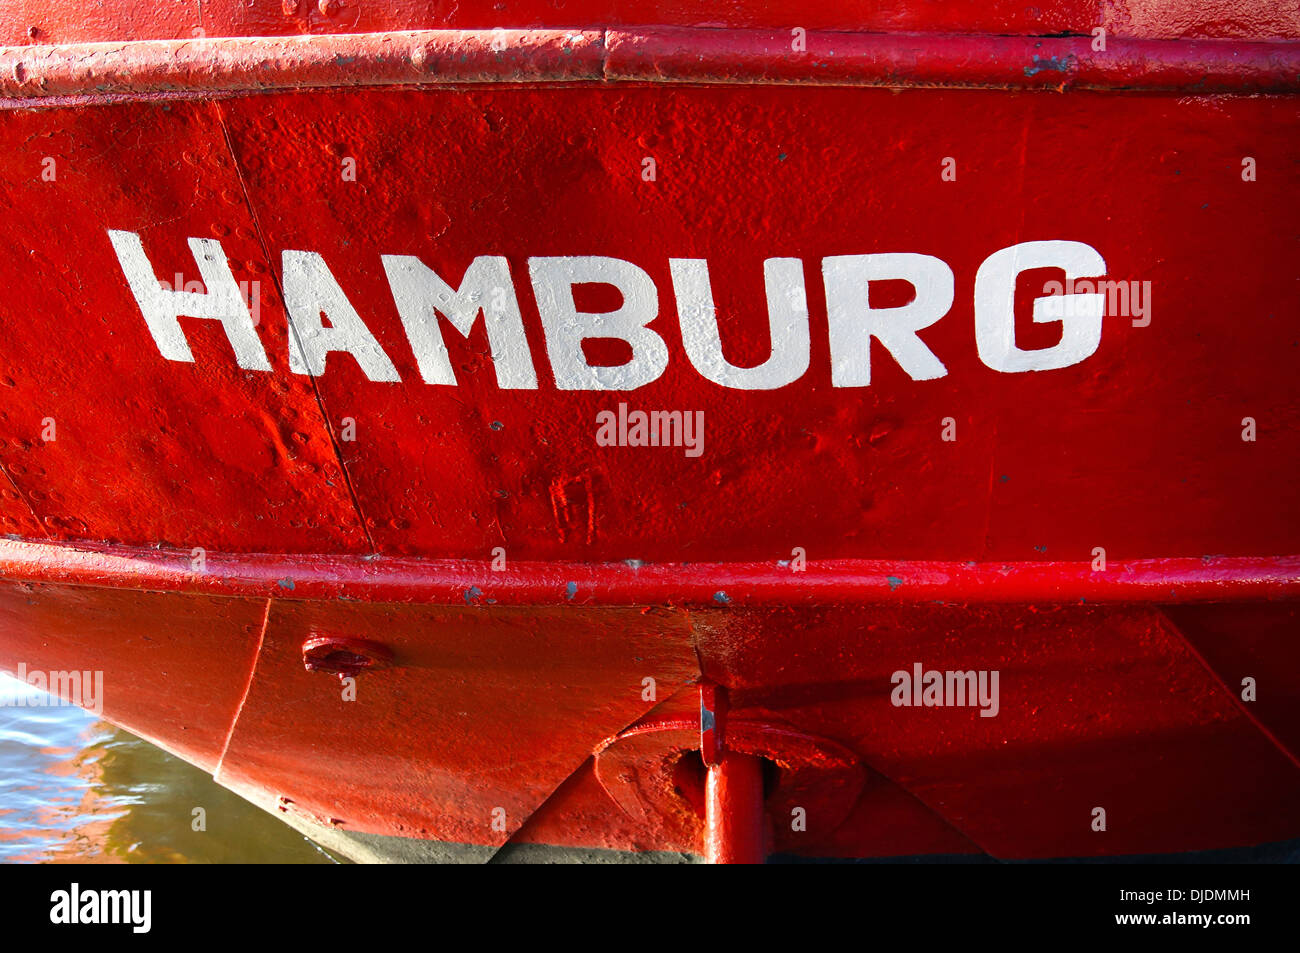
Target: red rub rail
458,582
203,67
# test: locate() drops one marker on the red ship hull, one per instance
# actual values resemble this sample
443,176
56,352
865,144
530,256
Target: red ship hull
552,632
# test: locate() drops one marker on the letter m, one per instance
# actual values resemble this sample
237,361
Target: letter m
66,685
961,688
666,428
115,906
420,295
1116,297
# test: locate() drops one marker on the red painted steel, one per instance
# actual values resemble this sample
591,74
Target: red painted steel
488,707
346,658
735,824
477,713
457,582
657,773
175,667
1019,484
199,439
1100,706
30,21
1238,641
539,610
207,67
683,55
713,723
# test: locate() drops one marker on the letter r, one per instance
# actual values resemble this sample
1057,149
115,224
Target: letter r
854,322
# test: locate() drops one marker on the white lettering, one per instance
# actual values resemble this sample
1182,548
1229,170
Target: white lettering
787,317
566,327
995,297
161,308
310,291
854,322
486,288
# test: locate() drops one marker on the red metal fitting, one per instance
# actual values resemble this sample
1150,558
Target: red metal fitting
735,822
643,770
343,657
713,713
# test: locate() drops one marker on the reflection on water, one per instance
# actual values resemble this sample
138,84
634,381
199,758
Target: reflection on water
76,789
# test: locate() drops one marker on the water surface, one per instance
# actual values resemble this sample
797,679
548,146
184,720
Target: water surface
74,789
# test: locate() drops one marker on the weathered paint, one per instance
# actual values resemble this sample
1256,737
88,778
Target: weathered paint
26,21
203,67
477,711
432,476
228,534
175,666
486,706
848,581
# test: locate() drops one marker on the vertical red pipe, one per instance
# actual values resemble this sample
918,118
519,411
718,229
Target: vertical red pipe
733,811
